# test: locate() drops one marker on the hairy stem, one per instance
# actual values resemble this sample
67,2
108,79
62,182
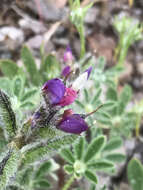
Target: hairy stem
68,183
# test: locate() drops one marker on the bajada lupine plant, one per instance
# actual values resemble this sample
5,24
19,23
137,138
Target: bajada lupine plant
47,130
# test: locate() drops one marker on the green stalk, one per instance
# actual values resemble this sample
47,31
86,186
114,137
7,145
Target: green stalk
138,121
68,183
82,40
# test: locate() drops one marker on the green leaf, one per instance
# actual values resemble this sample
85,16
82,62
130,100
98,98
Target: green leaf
108,105
5,85
86,95
9,169
50,68
29,62
69,169
111,94
116,157
7,116
97,95
9,68
113,144
29,94
40,151
103,117
101,165
43,170
124,98
94,148
67,155
135,174
18,86
27,105
79,148
92,187
42,184
92,177
79,104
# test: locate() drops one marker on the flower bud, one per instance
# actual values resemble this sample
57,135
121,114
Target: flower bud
66,71
73,124
68,57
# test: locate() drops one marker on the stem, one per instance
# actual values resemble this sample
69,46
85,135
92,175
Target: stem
68,183
139,116
82,40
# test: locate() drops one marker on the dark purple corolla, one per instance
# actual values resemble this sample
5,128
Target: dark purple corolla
73,123
55,89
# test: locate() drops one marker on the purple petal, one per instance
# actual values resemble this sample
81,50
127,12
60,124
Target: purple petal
88,72
55,89
66,71
73,124
68,55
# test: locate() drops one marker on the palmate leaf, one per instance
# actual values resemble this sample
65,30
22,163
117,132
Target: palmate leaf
42,150
7,116
9,169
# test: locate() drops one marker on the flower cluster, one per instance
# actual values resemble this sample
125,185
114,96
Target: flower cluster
58,95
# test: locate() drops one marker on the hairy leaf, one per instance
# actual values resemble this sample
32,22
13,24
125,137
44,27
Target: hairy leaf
30,65
94,148
135,174
7,115
92,177
9,68
67,155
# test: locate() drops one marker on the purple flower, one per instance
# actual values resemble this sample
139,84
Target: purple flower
73,124
55,89
68,55
88,72
66,71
